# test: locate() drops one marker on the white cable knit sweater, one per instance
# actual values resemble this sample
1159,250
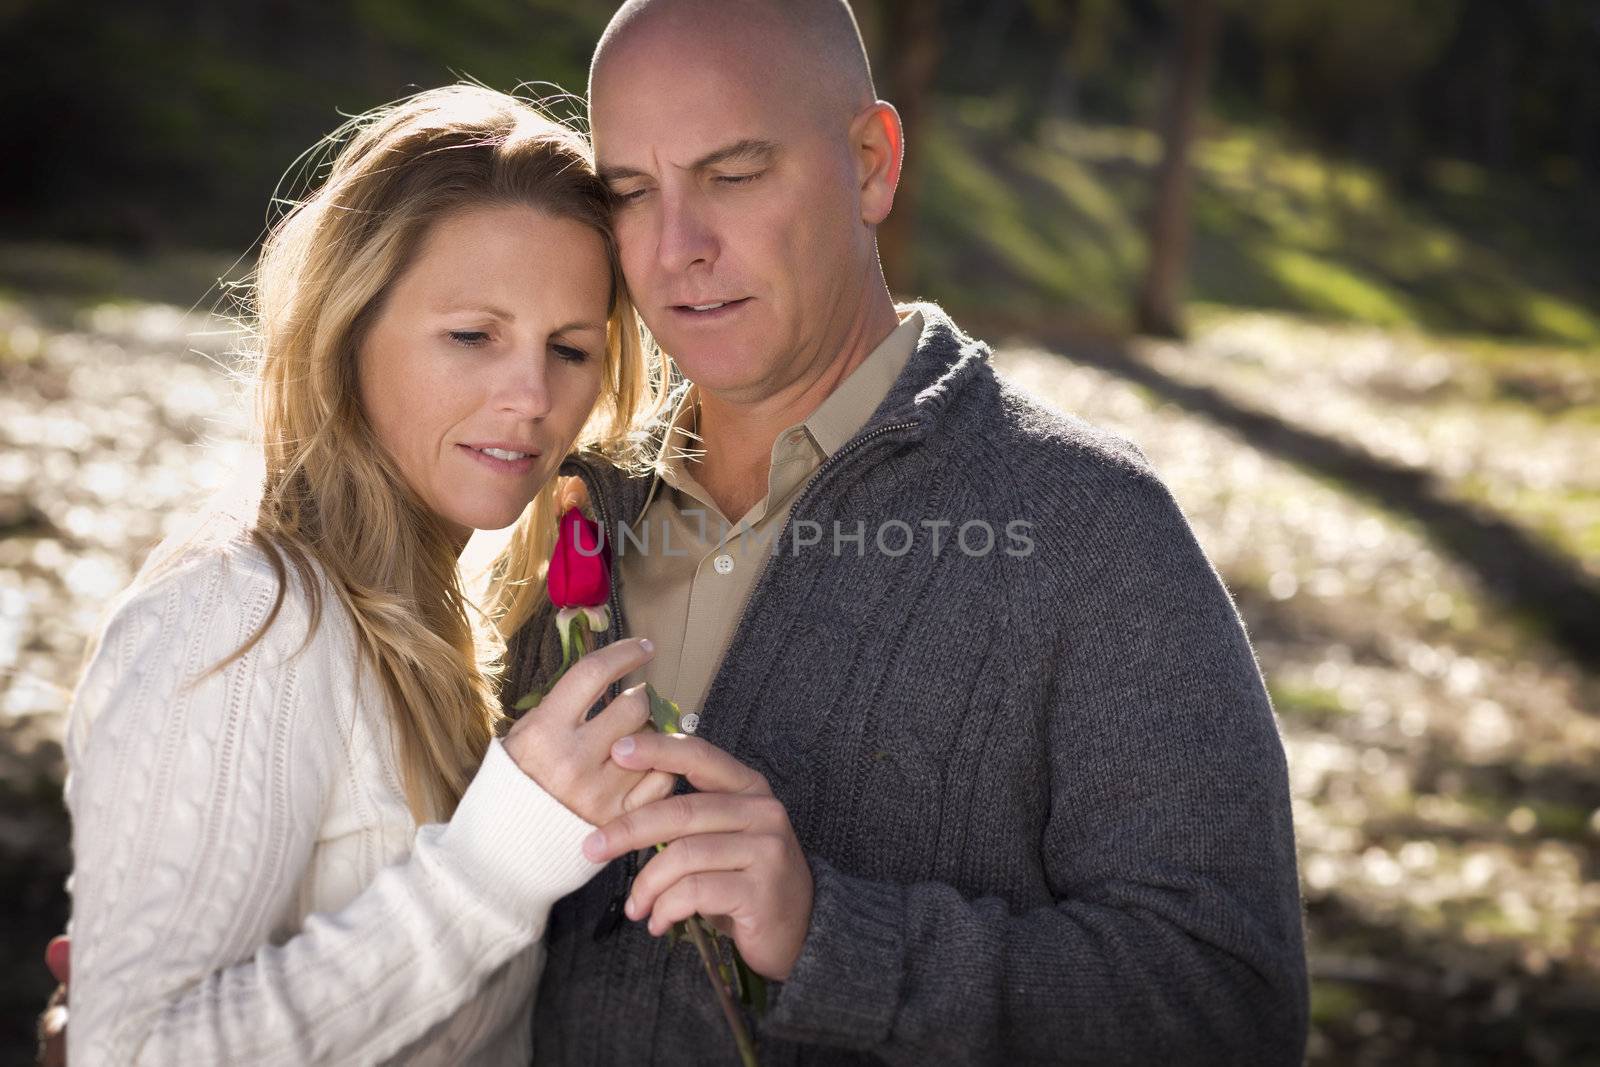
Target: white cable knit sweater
249,886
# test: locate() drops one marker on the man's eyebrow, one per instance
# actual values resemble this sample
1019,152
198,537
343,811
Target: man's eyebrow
748,150
616,174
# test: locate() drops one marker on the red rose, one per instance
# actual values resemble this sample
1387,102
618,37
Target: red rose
580,572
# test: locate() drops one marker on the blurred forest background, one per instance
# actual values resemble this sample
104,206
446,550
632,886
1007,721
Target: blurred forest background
1330,262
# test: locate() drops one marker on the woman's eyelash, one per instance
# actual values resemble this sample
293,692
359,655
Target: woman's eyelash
477,338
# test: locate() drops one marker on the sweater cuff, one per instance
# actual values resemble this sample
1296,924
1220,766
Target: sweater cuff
845,987
513,843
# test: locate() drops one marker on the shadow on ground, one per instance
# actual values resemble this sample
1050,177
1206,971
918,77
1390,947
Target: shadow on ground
1534,581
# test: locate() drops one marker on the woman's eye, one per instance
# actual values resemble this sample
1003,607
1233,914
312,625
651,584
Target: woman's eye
469,338
570,354
629,197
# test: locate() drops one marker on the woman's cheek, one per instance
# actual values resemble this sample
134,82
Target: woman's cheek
579,393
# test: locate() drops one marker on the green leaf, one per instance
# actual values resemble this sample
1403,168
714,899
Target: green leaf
663,712
572,638
529,701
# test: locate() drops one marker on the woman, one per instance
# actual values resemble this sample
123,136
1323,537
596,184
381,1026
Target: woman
297,837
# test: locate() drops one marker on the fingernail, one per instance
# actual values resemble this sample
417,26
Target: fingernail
647,644
628,909
594,846
622,747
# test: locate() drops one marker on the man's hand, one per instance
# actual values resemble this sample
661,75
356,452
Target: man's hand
53,1023
731,854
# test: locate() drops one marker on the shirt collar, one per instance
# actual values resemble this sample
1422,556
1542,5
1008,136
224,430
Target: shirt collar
846,410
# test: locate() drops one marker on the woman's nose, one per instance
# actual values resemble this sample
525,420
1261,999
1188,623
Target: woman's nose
524,389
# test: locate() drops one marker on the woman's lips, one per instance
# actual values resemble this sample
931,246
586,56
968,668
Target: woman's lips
503,466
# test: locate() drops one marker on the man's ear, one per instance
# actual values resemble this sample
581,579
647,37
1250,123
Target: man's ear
878,145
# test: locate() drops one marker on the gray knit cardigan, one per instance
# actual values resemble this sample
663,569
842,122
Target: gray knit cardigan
1041,787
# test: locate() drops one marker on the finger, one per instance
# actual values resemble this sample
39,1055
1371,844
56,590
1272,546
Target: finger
702,893
587,679
657,785
625,715
52,1029
618,782
703,852
682,815
708,768
58,957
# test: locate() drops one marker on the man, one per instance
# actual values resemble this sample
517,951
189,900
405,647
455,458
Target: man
985,770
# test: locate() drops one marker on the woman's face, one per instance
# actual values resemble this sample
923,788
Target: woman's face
485,360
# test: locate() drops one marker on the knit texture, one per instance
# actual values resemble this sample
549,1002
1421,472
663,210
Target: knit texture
249,885
1043,795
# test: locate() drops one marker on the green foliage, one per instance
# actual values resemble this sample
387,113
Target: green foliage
1332,41
664,713
158,125
1054,228
1309,704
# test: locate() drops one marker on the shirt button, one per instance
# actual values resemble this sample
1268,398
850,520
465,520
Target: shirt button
723,564
689,723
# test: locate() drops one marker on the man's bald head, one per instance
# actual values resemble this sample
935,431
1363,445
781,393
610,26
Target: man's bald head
751,165
811,48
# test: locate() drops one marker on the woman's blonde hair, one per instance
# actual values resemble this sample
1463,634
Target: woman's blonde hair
330,494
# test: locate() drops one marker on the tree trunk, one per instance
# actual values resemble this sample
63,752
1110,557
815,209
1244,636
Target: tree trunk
1158,307
910,44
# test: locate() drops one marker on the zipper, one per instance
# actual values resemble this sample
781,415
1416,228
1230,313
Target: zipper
816,483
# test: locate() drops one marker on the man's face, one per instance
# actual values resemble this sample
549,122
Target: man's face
739,222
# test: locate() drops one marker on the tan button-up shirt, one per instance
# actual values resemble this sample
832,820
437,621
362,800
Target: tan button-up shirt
687,570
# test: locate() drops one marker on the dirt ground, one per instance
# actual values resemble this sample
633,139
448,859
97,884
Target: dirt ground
1409,525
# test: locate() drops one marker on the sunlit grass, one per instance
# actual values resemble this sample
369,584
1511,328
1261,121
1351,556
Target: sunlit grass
1276,226
1312,705
1336,1002
1326,287
82,274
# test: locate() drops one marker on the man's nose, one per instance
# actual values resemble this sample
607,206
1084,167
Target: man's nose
686,238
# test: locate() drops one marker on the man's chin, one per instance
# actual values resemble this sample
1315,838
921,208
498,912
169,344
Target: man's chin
730,370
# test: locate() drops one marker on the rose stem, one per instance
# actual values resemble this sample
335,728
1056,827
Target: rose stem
741,1036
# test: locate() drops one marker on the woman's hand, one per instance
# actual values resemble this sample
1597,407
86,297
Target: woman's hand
570,757
52,1030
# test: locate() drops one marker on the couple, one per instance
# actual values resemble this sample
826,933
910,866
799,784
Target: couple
958,804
